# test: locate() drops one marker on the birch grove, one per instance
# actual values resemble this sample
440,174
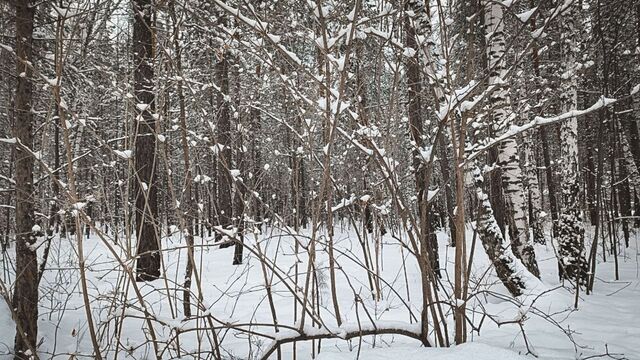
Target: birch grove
249,179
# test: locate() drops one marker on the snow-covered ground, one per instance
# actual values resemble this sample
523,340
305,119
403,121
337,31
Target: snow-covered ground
607,321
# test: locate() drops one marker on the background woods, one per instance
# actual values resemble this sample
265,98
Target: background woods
255,179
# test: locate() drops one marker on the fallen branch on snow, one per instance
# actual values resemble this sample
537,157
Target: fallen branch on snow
345,332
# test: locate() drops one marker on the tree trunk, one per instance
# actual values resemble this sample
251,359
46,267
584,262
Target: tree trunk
146,190
447,183
187,203
632,168
225,206
630,128
256,151
239,194
531,182
497,248
548,171
25,296
238,183
569,227
508,159
427,260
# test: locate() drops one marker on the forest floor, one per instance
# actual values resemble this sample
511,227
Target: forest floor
606,322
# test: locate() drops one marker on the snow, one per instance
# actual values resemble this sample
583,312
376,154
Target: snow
507,3
409,52
6,47
525,16
425,153
471,351
274,38
341,62
9,140
290,54
202,179
537,33
431,194
344,203
52,81
333,105
142,107
608,318
79,205
38,243
125,154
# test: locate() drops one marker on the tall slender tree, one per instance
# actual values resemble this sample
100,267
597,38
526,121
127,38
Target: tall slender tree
508,158
25,295
225,183
569,229
146,188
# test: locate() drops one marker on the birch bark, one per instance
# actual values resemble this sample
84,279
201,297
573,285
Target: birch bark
508,158
569,228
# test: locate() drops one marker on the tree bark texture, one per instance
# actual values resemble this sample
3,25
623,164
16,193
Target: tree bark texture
25,295
508,159
569,228
146,190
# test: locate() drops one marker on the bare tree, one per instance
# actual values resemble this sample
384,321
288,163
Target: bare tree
25,295
224,181
146,188
569,228
508,159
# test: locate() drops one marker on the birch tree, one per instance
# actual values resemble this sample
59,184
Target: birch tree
508,159
569,228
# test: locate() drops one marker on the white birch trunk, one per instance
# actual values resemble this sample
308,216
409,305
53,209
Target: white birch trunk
531,183
632,169
569,227
508,159
424,32
509,269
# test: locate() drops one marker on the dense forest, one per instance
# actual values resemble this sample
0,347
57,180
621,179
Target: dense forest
252,179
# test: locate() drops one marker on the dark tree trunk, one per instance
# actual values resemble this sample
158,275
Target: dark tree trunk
417,134
187,201
239,203
630,128
427,259
495,190
25,296
548,171
256,151
238,183
542,137
146,191
225,206
590,175
636,208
